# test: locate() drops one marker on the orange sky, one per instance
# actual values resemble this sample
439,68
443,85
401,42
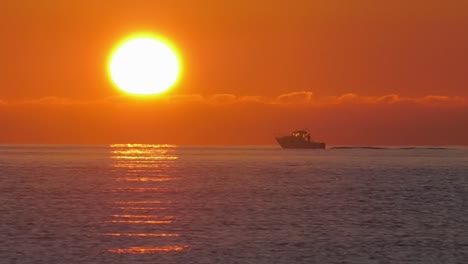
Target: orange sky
353,72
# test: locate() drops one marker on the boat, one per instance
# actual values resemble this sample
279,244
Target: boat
299,139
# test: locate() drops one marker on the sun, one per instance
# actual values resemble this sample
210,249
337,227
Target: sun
144,65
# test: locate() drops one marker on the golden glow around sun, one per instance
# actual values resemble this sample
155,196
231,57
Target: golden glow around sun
144,65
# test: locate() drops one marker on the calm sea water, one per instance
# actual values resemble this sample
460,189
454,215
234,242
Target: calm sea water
168,204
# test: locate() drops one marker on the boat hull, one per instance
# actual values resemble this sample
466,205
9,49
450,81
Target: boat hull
290,142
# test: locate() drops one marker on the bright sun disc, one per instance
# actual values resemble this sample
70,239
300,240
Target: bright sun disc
144,66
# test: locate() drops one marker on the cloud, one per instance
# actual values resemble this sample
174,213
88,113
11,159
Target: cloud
51,100
223,99
295,98
352,98
390,99
187,98
442,100
253,99
303,98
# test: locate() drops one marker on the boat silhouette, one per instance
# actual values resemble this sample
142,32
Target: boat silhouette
299,139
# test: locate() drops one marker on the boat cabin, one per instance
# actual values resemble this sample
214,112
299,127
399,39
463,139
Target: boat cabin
302,134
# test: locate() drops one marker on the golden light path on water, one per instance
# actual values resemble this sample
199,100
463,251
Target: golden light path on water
147,250
144,179
141,235
143,208
141,170
156,222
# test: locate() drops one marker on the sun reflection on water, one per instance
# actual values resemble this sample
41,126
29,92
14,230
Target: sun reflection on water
147,250
141,202
153,222
140,235
145,179
132,216
141,197
139,190
144,208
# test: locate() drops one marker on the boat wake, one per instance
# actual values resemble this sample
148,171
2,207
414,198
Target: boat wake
402,148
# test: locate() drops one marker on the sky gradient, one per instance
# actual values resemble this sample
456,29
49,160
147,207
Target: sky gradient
352,72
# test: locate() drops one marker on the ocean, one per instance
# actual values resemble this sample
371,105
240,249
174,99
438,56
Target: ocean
143,203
